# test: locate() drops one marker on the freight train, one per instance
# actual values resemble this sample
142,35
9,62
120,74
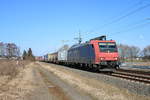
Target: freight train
98,54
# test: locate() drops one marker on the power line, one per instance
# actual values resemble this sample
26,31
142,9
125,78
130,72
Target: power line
135,23
133,28
123,16
126,15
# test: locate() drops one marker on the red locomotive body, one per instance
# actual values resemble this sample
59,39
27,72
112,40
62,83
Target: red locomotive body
98,53
106,52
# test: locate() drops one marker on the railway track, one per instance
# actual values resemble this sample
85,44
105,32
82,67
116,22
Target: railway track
135,71
136,76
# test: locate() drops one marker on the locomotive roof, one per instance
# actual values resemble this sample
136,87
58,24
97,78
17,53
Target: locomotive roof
79,45
103,38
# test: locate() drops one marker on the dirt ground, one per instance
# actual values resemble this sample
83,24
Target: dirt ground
41,81
23,85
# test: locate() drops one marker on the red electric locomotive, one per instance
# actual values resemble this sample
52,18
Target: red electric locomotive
98,53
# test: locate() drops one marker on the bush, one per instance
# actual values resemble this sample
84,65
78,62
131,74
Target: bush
11,67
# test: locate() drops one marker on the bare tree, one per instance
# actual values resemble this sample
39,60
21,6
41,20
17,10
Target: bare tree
146,52
134,52
128,52
9,50
123,51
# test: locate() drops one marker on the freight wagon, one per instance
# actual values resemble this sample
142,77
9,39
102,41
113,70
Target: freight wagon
62,54
53,57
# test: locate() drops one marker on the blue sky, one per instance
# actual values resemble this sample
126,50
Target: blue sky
43,24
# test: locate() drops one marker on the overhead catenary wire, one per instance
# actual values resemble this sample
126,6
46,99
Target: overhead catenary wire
119,18
137,25
130,25
114,18
133,28
126,15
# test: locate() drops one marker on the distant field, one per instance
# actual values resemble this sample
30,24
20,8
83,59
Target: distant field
146,64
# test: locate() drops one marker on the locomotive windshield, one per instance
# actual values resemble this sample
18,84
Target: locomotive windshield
107,47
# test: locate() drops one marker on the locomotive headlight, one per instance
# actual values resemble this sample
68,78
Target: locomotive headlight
116,58
102,58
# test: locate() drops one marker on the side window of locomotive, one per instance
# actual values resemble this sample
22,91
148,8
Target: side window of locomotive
92,46
91,51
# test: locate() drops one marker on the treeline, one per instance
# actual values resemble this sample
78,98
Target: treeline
12,51
28,55
9,50
133,52
146,52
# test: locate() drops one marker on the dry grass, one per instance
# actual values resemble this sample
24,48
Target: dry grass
97,89
11,68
